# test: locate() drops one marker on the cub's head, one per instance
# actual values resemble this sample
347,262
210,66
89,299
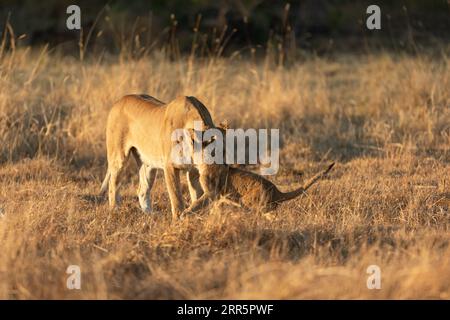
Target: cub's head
213,176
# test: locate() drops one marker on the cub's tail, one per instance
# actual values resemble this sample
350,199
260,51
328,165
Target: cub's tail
293,194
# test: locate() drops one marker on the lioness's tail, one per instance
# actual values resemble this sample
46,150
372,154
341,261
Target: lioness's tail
105,183
293,194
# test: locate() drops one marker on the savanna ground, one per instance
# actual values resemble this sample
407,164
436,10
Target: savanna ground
383,117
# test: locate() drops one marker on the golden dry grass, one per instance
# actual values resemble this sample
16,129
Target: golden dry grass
384,118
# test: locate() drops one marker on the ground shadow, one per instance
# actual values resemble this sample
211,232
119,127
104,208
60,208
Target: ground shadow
296,244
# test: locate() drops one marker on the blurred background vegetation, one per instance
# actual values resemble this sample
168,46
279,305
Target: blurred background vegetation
225,26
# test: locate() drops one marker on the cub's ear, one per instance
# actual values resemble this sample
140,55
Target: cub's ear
224,125
192,134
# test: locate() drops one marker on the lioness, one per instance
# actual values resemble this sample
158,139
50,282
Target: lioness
143,126
244,188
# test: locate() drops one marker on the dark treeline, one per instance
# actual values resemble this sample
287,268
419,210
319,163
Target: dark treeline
226,25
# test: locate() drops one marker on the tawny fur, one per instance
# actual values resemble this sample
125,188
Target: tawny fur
244,188
142,125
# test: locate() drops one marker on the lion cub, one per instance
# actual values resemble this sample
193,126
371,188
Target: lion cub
244,188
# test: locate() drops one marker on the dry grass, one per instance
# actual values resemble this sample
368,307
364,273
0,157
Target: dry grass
384,118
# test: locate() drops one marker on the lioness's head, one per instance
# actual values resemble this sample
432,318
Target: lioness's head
206,143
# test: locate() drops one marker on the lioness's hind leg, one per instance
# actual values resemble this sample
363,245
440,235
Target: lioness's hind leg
105,183
115,168
147,177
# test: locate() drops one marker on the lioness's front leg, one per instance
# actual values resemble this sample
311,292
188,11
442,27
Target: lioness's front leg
193,180
147,177
172,177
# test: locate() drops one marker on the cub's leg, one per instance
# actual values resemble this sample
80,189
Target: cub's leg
147,177
211,192
200,203
172,177
193,180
